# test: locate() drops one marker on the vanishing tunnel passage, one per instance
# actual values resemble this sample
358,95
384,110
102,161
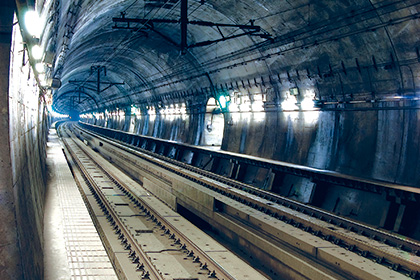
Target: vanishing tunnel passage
238,212
288,131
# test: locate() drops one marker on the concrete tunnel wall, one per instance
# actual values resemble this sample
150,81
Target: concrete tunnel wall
379,143
373,144
365,132
22,159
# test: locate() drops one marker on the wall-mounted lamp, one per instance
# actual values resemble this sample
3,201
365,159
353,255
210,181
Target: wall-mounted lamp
33,23
289,104
40,67
291,101
258,103
37,52
183,109
42,80
307,103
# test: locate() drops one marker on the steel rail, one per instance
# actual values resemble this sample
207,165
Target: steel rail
149,270
342,237
216,270
199,256
286,167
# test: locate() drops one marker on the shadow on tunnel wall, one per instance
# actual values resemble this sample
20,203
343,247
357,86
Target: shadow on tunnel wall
374,143
379,144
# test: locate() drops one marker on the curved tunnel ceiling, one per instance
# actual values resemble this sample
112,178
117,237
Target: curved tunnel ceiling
309,40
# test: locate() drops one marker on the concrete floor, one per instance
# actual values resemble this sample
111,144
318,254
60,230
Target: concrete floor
72,247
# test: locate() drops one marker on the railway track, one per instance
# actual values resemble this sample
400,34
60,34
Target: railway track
397,253
132,216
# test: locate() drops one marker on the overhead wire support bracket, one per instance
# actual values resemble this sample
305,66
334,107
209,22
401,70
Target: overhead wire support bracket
98,82
249,29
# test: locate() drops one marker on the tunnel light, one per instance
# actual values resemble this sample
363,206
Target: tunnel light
257,106
223,101
244,107
40,67
177,110
133,109
151,111
308,100
33,23
259,117
54,113
258,103
137,112
42,80
36,52
183,109
289,104
233,107
170,110
86,116
307,104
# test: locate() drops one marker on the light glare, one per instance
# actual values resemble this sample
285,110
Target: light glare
42,80
289,104
223,101
307,104
36,52
56,114
40,68
257,106
33,23
233,107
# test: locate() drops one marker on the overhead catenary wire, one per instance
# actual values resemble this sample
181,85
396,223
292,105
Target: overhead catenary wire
234,55
314,26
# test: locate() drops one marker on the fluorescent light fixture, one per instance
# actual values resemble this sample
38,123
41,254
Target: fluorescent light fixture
170,110
40,67
33,23
289,104
233,107
308,101
42,80
307,104
37,52
183,109
244,107
257,106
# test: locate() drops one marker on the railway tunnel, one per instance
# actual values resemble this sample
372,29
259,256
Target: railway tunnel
283,133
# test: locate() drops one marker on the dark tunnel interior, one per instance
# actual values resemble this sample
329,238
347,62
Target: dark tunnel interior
331,86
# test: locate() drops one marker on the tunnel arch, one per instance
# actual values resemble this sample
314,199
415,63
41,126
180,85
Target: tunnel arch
73,94
344,54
